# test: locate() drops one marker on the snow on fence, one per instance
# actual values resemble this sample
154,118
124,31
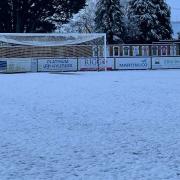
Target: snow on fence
13,65
165,62
132,63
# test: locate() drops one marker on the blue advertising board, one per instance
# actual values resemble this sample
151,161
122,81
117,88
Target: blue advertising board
3,65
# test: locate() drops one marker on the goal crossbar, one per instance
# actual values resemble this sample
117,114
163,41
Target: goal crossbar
49,39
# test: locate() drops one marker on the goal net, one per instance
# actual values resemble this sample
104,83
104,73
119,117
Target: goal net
32,52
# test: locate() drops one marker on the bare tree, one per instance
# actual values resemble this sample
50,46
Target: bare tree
83,22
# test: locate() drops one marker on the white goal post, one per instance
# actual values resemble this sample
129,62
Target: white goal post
15,47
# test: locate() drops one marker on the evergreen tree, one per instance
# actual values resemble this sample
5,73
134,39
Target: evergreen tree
37,15
163,13
109,20
178,35
5,16
152,19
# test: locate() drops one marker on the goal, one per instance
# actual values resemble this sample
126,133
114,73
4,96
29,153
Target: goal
31,52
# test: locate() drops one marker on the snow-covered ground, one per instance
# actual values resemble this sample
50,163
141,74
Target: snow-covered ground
90,126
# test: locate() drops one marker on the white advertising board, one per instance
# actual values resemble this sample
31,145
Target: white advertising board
93,64
165,62
133,63
57,64
18,65
34,65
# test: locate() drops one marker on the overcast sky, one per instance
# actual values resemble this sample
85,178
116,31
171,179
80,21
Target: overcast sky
175,5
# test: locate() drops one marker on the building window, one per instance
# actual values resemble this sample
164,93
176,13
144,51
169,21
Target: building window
116,51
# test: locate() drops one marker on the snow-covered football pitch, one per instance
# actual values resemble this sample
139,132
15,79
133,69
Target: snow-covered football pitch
90,126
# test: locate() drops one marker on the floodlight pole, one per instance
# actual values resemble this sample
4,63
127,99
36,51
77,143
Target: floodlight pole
105,51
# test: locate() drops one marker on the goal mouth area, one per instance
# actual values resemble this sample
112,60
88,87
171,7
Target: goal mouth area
52,45
51,39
